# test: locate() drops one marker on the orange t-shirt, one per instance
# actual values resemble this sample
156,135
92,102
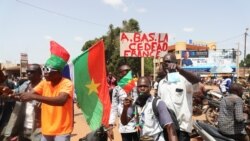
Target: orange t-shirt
56,120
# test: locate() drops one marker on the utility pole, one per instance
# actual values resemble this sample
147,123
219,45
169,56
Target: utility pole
245,46
142,66
237,61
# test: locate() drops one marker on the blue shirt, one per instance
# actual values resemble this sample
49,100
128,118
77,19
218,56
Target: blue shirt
225,84
187,62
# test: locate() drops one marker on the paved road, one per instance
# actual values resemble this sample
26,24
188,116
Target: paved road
81,128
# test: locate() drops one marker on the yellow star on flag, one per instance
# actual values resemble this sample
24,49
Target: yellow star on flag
92,87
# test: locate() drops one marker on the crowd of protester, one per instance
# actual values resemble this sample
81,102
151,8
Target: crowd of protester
42,109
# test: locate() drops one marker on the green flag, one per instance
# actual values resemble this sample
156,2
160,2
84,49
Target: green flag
127,82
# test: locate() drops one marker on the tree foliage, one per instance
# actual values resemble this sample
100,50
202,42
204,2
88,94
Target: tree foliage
246,61
112,49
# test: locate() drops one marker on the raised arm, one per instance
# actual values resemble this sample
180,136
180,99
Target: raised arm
191,77
126,104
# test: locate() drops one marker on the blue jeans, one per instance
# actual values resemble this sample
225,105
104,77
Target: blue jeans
65,137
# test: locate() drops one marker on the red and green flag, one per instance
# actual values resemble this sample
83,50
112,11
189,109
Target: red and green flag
91,85
127,82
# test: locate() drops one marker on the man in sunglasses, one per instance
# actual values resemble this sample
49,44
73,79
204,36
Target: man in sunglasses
176,89
128,132
25,119
56,94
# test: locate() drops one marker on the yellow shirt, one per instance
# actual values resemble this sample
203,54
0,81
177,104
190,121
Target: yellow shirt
56,120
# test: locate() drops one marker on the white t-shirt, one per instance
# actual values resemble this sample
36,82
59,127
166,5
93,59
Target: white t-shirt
178,96
118,97
29,116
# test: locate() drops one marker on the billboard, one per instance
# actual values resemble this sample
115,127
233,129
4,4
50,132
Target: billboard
143,44
23,64
217,61
195,54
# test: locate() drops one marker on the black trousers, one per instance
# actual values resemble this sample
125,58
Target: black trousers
26,135
183,136
130,136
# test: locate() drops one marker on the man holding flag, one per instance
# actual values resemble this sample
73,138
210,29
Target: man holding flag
125,88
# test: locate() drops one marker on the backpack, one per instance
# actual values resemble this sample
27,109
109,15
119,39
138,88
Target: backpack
172,115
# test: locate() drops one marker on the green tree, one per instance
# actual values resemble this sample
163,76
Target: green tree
131,26
112,49
148,66
247,61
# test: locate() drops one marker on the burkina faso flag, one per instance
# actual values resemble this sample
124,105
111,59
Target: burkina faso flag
91,85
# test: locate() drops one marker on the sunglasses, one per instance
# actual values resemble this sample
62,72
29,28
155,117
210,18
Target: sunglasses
145,86
48,70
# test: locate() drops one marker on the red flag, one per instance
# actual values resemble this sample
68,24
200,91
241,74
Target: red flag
59,51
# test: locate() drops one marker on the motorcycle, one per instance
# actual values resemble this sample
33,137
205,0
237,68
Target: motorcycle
209,132
211,110
208,104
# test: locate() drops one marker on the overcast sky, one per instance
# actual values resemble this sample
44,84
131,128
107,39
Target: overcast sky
27,26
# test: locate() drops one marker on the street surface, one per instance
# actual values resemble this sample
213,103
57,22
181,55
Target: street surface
81,128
